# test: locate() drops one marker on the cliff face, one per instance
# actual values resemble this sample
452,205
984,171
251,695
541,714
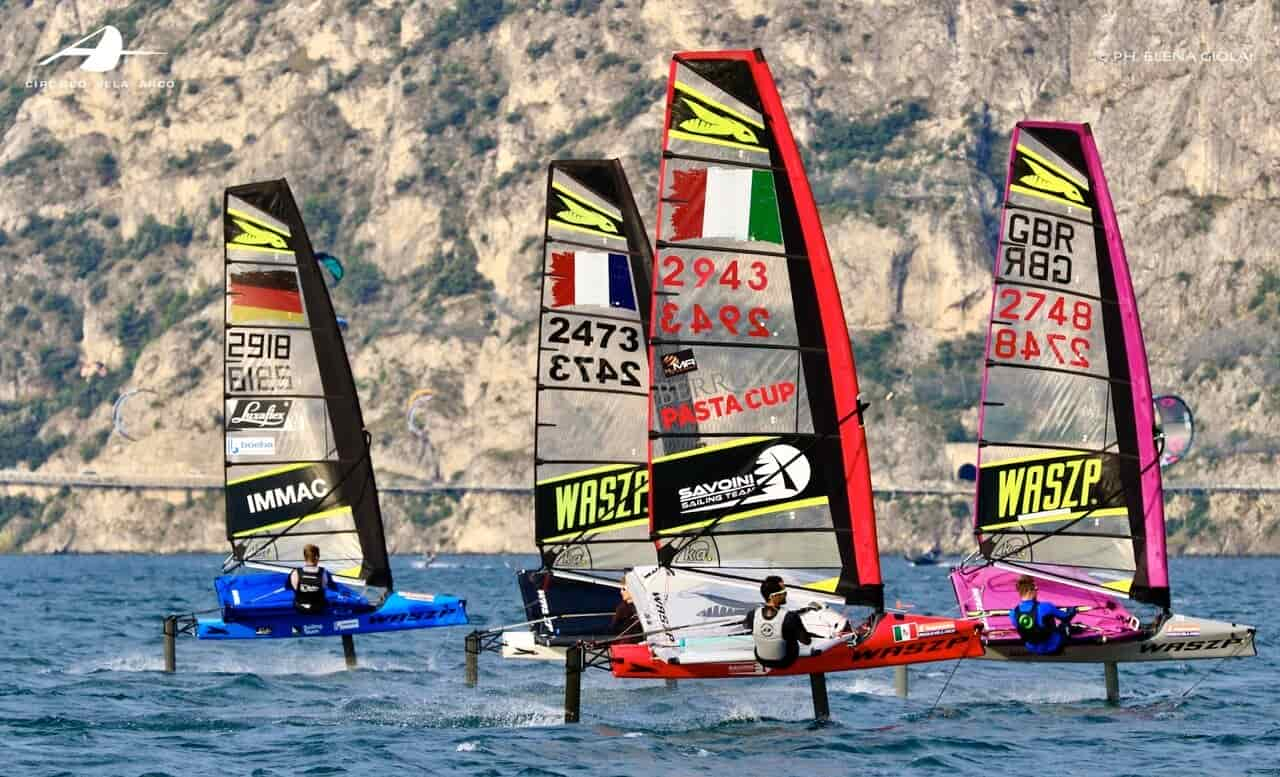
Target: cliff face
416,137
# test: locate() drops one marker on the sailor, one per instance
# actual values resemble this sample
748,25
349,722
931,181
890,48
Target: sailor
309,582
625,623
1044,628
777,631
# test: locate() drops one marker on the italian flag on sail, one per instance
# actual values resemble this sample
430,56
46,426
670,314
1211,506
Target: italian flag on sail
737,203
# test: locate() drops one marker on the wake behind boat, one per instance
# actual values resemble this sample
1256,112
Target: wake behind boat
758,462
1069,482
298,469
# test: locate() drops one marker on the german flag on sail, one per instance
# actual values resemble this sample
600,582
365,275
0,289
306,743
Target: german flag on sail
266,295
722,202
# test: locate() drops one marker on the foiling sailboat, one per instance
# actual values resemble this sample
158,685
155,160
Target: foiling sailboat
591,482
297,460
1069,484
758,461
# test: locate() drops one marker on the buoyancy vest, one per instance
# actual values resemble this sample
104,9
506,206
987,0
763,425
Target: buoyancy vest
1033,627
767,633
308,597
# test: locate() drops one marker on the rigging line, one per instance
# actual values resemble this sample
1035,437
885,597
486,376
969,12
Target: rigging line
1205,674
1101,505
945,686
368,439
738,619
757,487
508,626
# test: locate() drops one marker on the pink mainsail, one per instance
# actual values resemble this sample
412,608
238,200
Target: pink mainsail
1069,484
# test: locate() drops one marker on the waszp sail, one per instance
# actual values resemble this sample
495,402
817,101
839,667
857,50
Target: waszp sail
591,480
297,460
1069,487
758,460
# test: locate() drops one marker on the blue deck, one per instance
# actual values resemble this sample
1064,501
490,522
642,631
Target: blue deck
258,606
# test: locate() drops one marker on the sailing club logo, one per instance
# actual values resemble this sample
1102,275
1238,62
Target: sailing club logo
573,211
678,363
1045,180
781,472
102,57
254,414
700,551
254,235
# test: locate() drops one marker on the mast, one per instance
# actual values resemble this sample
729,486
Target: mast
297,455
758,459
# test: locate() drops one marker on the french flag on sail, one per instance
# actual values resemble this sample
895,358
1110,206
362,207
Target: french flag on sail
591,278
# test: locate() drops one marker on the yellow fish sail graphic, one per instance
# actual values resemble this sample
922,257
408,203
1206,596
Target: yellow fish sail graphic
1045,180
709,123
253,235
577,214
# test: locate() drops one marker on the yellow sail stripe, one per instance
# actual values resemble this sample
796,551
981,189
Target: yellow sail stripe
1054,167
585,534
1013,187
797,504
268,473
675,133
294,521
710,448
828,585
244,314
583,473
1041,457
683,87
260,249
1105,512
1120,585
278,229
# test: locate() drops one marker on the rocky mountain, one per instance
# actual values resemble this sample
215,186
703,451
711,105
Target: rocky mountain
416,137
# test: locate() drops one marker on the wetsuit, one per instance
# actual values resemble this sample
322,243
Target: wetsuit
1043,627
625,623
777,648
308,585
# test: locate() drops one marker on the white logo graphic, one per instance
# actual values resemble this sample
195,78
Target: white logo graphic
103,57
781,472
251,446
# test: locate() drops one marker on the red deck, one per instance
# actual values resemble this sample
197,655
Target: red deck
943,639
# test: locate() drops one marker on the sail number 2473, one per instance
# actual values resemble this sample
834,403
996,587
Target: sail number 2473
594,369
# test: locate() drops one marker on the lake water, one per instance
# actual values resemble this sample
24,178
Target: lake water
81,693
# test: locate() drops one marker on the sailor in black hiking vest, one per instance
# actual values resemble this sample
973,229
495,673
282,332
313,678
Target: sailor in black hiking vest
1043,627
777,631
309,583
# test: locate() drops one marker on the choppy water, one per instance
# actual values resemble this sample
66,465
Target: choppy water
81,693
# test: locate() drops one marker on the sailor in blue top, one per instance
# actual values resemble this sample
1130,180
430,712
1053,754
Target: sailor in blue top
1043,627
